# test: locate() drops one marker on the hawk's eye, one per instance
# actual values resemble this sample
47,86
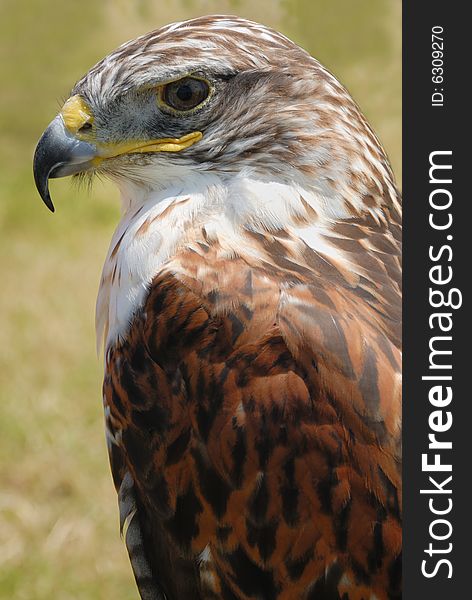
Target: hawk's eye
186,93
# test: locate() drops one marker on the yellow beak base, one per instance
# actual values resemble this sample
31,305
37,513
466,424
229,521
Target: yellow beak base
76,113
159,145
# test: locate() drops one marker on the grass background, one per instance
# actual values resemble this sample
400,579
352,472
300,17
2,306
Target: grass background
58,514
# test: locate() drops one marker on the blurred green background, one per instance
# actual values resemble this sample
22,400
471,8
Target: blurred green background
58,513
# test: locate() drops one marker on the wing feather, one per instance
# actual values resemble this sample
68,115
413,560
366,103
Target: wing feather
259,417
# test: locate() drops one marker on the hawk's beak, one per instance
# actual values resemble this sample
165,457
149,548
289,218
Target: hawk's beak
58,154
65,148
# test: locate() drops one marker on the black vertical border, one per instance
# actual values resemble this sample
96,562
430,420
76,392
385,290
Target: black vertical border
426,129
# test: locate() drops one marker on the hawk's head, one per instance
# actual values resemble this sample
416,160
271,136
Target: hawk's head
215,94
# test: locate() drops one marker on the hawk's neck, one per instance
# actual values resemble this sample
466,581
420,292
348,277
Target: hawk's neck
239,218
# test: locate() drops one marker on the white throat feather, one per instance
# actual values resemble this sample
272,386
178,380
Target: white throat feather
161,218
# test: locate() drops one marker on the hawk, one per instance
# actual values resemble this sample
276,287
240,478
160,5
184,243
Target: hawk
250,312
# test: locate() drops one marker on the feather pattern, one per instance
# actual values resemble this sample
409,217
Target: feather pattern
258,402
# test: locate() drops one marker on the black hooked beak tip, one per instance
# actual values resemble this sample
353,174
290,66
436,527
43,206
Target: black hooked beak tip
58,154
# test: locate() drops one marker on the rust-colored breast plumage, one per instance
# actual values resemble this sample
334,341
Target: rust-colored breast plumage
257,414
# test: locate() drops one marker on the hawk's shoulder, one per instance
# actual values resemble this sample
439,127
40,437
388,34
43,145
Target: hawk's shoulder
258,416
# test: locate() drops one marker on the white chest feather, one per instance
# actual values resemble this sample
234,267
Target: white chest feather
149,233
156,224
